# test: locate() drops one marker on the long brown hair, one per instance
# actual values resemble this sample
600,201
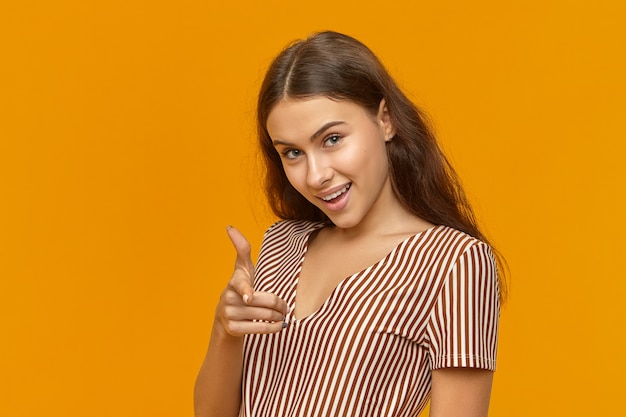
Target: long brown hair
337,66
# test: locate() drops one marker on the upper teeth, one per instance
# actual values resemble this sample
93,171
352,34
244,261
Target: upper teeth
336,194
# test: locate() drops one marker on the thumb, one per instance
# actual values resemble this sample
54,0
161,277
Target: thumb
244,268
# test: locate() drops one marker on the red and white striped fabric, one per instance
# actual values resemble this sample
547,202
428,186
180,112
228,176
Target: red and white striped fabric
432,302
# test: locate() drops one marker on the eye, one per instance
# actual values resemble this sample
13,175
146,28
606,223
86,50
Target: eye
332,140
291,153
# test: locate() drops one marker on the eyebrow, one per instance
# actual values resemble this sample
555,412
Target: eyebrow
315,135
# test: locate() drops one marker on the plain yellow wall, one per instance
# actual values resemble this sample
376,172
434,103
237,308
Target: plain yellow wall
126,148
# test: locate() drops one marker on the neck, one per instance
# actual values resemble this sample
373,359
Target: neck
391,219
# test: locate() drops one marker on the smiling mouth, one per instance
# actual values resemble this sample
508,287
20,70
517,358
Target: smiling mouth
336,194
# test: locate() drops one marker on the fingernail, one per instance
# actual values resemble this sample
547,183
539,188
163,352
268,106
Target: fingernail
284,324
229,227
246,298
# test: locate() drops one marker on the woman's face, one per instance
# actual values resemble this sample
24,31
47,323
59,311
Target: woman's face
334,154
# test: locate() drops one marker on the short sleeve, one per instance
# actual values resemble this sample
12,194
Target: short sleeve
463,326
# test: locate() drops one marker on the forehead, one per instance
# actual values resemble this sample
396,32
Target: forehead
290,118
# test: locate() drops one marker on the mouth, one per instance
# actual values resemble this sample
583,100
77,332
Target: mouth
336,194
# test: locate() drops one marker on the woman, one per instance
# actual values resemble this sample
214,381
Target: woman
376,291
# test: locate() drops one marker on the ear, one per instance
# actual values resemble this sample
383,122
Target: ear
385,121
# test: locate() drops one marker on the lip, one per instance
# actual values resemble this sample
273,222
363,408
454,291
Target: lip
333,190
339,203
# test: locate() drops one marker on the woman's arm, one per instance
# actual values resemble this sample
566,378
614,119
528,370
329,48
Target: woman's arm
218,385
463,336
460,392
240,311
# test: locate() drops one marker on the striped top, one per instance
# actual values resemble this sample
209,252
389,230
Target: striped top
432,302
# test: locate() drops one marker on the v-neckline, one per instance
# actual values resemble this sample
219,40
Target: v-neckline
293,319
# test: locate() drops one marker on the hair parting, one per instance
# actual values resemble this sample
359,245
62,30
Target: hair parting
339,67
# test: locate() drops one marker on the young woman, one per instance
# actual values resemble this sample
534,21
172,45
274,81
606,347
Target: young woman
376,291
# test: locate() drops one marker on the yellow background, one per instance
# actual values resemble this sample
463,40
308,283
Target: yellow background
126,148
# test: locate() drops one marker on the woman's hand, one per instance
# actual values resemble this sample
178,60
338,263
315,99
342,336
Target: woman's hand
241,310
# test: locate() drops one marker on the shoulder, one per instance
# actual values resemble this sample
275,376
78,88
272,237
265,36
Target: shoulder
470,261
451,242
453,250
289,229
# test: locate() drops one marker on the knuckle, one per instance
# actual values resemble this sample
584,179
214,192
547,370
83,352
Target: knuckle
267,327
233,330
278,303
268,316
227,313
229,297
226,324
232,327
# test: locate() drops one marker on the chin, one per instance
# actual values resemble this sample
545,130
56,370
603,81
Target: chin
343,223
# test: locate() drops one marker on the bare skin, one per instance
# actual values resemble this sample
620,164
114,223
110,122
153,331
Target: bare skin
460,392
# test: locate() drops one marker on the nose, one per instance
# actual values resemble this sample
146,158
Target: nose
318,171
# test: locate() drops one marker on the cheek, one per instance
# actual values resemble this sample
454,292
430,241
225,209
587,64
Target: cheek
294,176
365,158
